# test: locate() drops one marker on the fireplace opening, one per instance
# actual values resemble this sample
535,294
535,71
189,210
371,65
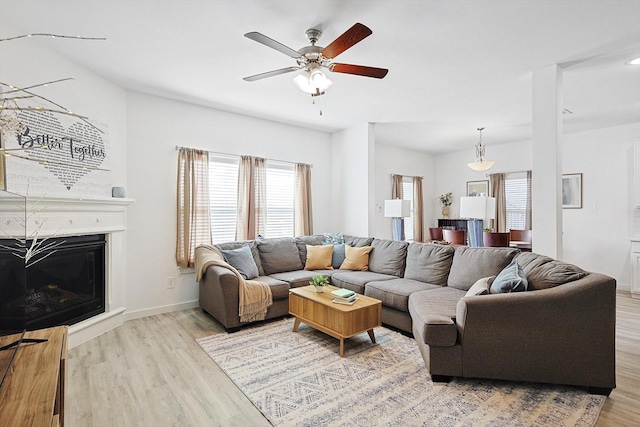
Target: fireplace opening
64,286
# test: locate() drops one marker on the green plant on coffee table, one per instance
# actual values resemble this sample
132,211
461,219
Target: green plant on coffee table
319,280
446,199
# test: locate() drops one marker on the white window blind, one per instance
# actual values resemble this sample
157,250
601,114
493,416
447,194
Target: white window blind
407,194
280,199
516,196
223,197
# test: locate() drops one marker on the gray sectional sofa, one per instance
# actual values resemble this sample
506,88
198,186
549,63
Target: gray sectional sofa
561,330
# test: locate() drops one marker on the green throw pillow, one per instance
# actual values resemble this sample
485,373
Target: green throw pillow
510,279
242,260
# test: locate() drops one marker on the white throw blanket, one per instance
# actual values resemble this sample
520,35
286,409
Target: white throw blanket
255,296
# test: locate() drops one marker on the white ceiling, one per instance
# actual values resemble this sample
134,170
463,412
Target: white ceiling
454,65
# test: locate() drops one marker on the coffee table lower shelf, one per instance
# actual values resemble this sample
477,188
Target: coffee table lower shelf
336,320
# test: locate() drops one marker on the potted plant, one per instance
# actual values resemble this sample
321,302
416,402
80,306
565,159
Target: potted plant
445,201
319,282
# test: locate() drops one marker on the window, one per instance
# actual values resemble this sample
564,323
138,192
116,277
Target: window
407,194
516,197
223,196
280,199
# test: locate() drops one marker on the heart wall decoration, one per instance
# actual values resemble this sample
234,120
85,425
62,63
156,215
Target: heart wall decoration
58,154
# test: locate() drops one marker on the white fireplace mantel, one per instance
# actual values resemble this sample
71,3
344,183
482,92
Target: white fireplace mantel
60,217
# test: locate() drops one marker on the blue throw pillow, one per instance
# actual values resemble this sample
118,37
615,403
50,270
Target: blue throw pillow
242,260
337,257
510,279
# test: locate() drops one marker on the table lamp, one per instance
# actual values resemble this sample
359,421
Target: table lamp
397,209
477,209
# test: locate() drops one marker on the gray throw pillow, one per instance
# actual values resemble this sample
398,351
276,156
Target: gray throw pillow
510,279
338,256
242,260
332,239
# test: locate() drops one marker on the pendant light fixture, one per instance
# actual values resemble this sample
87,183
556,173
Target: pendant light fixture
480,164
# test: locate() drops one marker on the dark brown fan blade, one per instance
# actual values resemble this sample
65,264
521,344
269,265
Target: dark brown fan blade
359,70
270,74
261,38
350,37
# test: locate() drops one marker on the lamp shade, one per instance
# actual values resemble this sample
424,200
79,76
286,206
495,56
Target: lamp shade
397,208
478,207
312,81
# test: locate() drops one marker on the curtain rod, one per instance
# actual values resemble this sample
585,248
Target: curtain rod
178,147
505,173
408,176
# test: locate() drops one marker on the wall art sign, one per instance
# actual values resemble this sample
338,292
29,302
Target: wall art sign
57,154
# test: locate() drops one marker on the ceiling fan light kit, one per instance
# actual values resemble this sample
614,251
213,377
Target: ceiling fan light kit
312,59
480,163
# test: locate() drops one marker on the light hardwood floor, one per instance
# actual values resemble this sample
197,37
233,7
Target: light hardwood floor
151,372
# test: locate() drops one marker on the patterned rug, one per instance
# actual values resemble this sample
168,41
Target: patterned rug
298,379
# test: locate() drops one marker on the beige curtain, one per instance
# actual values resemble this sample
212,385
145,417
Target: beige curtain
418,209
498,191
252,196
194,223
396,187
528,220
303,213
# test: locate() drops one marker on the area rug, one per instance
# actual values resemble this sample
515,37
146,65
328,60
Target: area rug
298,379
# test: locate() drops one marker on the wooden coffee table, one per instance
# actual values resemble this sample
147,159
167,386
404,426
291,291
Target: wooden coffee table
337,320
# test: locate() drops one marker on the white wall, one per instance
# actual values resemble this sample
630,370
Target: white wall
155,127
352,154
392,160
596,237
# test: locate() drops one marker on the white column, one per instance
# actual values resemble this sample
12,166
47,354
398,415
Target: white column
546,183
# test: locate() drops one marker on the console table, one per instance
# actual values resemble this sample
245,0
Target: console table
33,392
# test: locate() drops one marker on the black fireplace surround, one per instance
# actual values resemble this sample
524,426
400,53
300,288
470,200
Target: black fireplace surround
63,286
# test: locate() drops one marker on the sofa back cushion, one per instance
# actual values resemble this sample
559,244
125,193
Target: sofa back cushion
253,245
429,263
388,257
303,241
357,242
279,255
471,264
543,272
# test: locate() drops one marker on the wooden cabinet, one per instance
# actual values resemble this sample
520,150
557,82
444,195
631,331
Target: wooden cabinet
33,392
453,224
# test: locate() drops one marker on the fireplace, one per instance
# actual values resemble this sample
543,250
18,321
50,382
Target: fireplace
61,286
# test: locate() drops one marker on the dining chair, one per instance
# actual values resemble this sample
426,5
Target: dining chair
435,233
492,240
520,235
455,237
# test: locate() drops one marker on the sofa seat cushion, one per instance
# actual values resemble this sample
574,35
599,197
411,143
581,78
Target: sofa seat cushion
395,293
279,255
355,280
429,262
471,264
388,257
299,278
432,313
279,288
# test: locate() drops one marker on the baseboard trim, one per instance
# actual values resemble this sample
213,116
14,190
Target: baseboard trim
130,315
97,325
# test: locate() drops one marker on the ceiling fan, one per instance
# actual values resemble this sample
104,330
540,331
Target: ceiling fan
313,59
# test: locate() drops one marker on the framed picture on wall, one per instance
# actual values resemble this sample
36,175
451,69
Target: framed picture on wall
476,188
572,191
